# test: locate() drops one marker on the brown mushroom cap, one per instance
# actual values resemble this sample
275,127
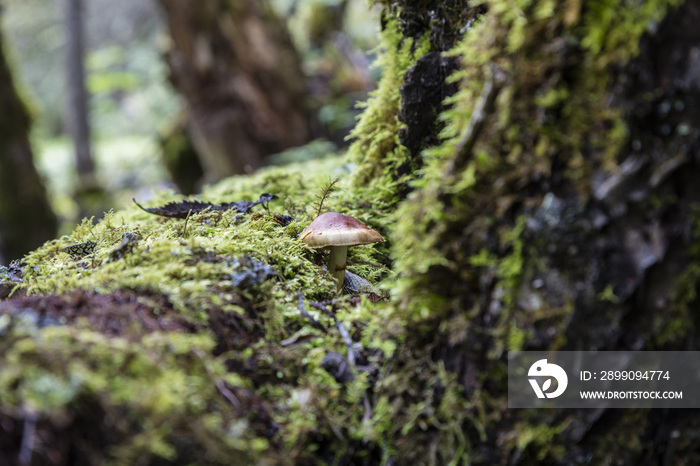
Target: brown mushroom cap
334,229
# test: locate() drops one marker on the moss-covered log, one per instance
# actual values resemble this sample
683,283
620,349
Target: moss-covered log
556,209
26,218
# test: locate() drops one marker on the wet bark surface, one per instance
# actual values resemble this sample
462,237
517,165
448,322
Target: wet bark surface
425,86
642,247
645,247
597,256
422,95
633,234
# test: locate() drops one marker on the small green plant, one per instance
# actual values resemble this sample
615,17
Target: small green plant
326,191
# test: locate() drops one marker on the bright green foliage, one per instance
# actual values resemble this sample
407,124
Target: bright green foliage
165,384
163,260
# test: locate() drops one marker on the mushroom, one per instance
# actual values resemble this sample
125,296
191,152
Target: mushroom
338,231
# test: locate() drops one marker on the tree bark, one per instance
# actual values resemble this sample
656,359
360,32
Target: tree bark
417,35
26,218
239,74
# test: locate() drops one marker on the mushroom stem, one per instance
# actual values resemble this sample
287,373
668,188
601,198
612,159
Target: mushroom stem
337,264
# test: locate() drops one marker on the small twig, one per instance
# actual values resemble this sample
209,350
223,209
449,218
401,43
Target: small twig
220,384
344,334
482,109
369,414
321,306
302,310
28,440
228,394
187,219
348,342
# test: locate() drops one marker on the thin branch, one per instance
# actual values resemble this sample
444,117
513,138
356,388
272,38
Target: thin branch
347,339
348,342
344,334
302,310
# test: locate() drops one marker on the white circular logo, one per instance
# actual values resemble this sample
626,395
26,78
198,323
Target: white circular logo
542,369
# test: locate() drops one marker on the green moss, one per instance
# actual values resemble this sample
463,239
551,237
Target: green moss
166,261
613,28
542,439
167,377
471,254
608,294
165,385
630,423
679,317
516,338
376,148
576,122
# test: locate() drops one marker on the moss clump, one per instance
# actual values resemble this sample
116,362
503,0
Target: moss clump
513,159
233,354
134,400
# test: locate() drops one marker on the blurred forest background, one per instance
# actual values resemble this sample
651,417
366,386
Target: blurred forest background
139,97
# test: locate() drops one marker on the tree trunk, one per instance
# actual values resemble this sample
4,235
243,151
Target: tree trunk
26,218
559,213
416,36
239,74
78,108
91,198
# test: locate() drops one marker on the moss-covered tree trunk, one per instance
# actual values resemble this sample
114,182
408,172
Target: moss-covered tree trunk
559,211
235,66
26,218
